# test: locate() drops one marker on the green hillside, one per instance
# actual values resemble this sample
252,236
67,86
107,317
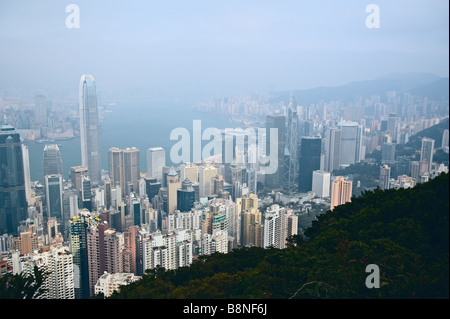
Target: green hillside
405,232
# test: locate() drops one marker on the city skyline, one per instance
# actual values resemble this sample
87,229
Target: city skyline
253,149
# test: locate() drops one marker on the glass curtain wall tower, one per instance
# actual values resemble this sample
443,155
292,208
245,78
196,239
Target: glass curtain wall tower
89,128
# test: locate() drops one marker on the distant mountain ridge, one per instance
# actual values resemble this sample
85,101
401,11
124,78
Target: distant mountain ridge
422,84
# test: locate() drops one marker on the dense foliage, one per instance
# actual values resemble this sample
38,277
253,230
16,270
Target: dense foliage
405,232
23,285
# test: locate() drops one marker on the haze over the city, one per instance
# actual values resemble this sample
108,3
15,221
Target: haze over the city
219,47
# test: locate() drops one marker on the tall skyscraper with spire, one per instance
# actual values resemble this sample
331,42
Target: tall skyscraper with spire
89,128
292,141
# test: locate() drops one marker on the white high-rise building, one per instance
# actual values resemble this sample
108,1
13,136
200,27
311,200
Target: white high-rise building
351,150
89,131
60,280
275,227
107,284
156,160
321,183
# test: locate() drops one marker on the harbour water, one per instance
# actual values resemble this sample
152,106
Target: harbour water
135,123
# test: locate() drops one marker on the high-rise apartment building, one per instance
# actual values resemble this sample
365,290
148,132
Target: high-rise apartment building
89,128
58,262
341,192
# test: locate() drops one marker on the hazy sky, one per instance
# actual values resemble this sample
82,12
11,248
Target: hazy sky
219,45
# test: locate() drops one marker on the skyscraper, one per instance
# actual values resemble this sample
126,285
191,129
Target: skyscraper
321,183
185,196
79,226
41,110
156,160
52,163
292,143
385,175
351,143
332,149
53,196
341,192
278,122
426,152
89,128
173,184
13,203
309,161
124,169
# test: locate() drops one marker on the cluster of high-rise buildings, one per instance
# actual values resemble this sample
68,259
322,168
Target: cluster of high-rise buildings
102,229
99,230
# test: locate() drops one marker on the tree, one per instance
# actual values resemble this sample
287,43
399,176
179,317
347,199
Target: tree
23,286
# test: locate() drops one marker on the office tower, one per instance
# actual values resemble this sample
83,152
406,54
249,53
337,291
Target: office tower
291,171
156,160
385,175
445,139
205,176
136,210
124,169
426,152
388,153
309,161
76,176
59,283
351,143
89,128
41,110
341,192
277,122
321,183
131,168
53,195
26,172
173,184
189,171
152,187
185,196
13,203
86,194
332,149
79,226
70,209
52,163
115,164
